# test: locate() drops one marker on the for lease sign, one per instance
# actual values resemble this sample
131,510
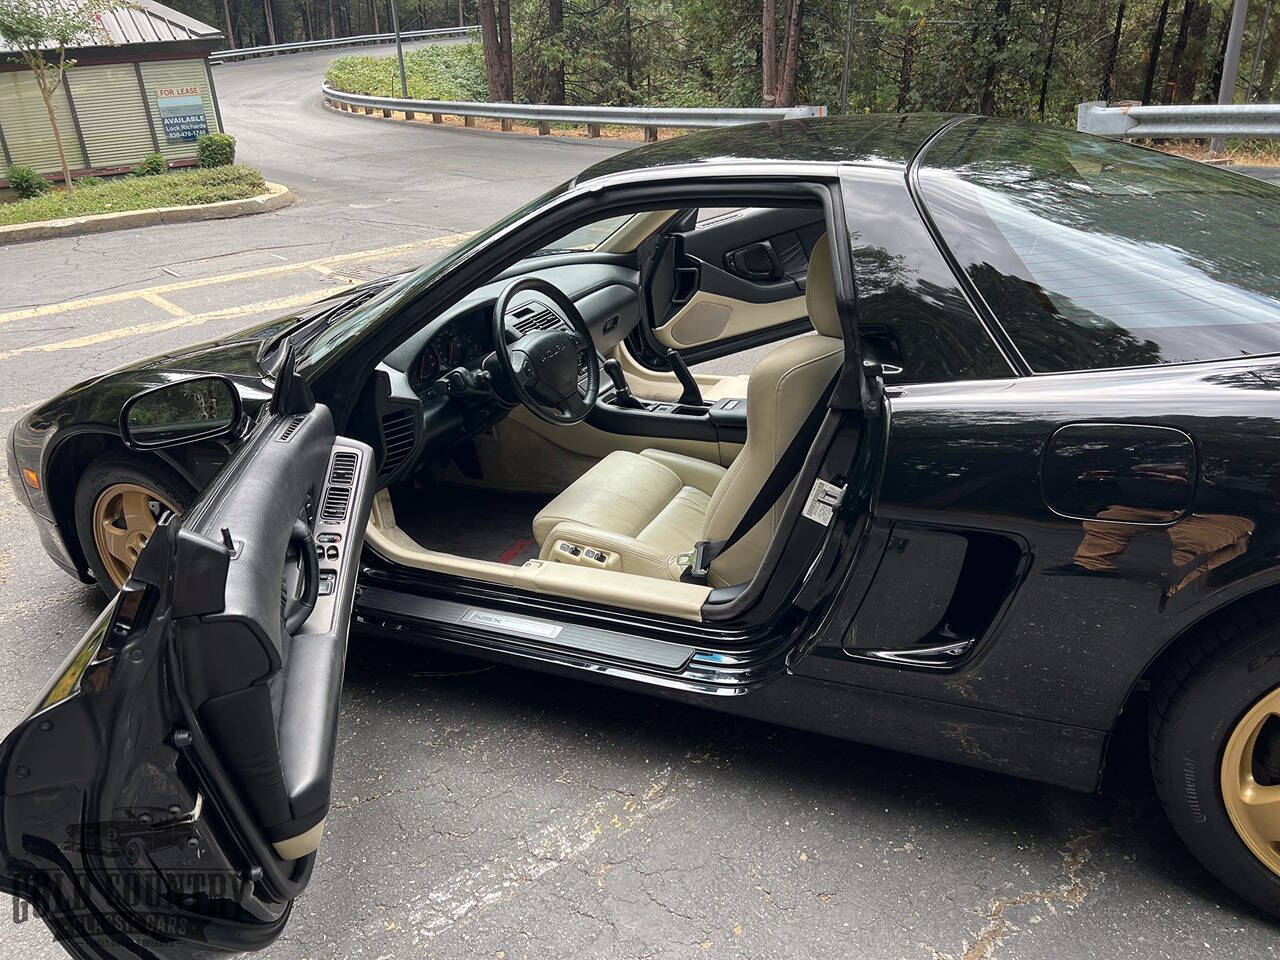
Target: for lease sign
182,113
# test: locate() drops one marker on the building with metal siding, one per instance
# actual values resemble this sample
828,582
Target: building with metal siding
141,85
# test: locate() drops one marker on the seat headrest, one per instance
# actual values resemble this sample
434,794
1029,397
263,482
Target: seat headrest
820,291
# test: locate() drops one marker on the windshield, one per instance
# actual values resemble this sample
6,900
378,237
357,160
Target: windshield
1096,254
586,239
335,339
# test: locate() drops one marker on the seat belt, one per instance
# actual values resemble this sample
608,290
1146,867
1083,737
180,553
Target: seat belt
780,477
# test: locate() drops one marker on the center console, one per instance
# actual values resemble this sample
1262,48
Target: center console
724,421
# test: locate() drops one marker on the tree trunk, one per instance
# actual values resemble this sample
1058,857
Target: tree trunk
555,11
1179,48
373,8
904,69
492,46
1048,58
769,52
47,95
1108,86
1153,54
1262,93
790,55
999,37
1193,59
226,19
1215,78
629,53
504,36
271,27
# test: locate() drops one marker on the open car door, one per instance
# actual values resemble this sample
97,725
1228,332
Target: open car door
166,795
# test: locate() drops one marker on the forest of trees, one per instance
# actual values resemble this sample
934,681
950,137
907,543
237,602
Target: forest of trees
1022,58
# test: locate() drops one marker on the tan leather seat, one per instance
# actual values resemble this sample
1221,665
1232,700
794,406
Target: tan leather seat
642,511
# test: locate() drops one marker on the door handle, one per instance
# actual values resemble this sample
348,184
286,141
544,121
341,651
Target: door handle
756,261
302,536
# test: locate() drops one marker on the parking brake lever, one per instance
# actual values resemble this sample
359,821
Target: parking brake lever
622,395
690,395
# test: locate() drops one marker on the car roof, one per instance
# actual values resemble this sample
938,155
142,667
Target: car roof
891,139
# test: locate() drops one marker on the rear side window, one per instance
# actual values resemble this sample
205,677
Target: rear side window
1096,254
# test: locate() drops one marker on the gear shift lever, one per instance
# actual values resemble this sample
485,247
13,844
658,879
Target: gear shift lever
622,396
690,395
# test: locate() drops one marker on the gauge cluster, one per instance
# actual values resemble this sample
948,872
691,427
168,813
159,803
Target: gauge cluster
462,342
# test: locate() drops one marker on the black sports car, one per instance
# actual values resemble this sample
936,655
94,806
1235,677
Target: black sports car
1005,471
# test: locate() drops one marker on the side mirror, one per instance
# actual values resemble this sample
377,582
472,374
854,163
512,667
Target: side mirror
200,408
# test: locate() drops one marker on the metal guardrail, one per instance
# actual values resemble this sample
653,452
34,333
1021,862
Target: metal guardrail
1177,121
244,53
545,114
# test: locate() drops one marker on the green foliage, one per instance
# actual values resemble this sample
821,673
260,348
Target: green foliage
178,189
151,165
440,72
33,25
89,181
26,183
216,150
940,55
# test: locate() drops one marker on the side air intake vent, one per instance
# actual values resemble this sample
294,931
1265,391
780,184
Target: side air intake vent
290,429
397,437
546,320
337,494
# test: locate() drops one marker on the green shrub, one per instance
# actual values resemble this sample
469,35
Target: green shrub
26,183
89,181
152,164
178,189
216,150
439,72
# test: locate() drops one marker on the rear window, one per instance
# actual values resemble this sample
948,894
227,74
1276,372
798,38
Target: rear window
1096,254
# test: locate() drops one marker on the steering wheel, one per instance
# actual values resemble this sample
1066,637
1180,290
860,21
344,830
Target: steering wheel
542,366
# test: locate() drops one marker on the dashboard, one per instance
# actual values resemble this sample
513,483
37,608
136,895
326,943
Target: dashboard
464,341
417,418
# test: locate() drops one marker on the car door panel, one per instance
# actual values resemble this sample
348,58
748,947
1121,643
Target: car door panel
184,753
729,283
708,318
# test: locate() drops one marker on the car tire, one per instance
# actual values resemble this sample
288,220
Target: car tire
116,482
1214,740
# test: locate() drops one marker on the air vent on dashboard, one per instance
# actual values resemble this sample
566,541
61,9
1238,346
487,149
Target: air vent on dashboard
546,320
337,493
397,438
290,429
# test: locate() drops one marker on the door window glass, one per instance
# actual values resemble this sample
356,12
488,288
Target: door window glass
1096,254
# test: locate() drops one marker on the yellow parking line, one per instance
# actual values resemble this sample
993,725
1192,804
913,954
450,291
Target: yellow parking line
380,253
190,320
167,306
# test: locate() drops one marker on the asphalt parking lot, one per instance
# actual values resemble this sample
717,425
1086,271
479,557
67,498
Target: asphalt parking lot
486,812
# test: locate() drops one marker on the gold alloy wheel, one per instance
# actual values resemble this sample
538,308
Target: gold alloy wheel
124,517
1254,808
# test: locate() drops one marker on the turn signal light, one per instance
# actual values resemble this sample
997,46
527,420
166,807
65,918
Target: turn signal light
30,479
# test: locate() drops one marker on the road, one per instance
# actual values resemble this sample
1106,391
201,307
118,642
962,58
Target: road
485,812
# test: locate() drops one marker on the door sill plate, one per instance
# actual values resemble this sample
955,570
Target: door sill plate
526,630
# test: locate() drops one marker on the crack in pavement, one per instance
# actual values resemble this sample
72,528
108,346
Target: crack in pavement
550,847
1071,893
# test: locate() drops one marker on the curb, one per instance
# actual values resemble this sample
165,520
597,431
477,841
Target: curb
276,197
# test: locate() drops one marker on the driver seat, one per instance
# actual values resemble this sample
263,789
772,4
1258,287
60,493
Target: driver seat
640,512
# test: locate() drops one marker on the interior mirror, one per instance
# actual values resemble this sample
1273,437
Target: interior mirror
197,409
